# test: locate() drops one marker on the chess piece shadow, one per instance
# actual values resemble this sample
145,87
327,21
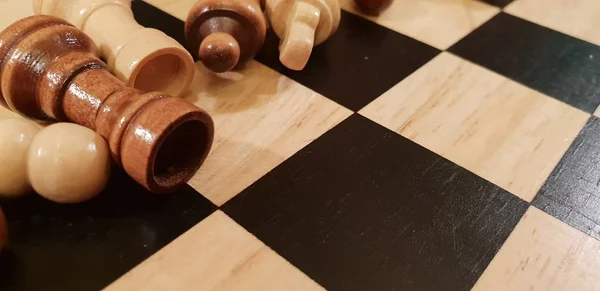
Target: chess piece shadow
48,65
233,166
234,91
91,243
9,269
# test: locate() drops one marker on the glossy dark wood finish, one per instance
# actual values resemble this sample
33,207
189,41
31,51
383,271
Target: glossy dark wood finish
373,7
225,34
49,71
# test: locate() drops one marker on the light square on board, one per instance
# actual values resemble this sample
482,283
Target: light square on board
543,253
363,208
555,64
216,254
370,49
86,246
261,119
572,192
578,18
505,132
437,23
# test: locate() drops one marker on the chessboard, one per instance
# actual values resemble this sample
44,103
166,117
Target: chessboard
443,145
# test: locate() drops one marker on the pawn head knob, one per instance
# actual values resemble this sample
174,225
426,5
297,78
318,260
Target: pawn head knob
219,52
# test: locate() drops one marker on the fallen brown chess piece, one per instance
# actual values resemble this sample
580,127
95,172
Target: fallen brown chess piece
49,71
373,7
143,58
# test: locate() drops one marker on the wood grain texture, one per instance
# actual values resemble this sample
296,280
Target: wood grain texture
143,58
220,255
261,119
555,64
543,253
437,23
362,208
225,34
572,192
579,18
494,127
49,72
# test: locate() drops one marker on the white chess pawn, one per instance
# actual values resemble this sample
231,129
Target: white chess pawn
68,163
63,162
16,135
301,25
143,58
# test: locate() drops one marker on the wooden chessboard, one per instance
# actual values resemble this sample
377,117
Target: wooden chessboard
446,145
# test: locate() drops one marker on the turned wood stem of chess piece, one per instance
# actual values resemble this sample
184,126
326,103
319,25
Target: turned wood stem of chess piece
225,33
143,58
48,70
301,25
373,7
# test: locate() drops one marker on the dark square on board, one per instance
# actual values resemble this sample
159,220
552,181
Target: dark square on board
357,64
499,3
361,61
89,245
363,208
548,61
149,16
572,192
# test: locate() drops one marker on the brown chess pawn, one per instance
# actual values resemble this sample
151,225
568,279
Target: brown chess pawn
373,7
301,25
143,58
225,33
48,70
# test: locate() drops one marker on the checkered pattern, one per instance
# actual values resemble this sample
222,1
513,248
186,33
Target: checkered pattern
444,145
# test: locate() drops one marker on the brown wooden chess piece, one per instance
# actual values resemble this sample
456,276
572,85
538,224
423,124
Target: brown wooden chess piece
143,58
373,7
225,33
48,70
301,25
